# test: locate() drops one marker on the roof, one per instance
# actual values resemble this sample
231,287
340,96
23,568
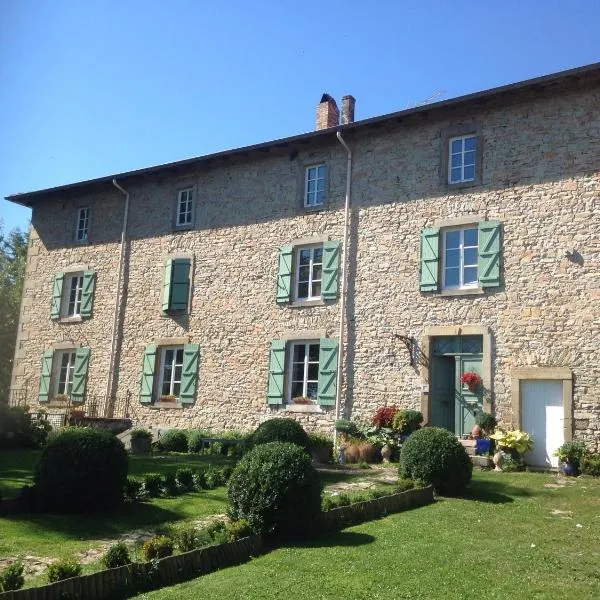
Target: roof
563,77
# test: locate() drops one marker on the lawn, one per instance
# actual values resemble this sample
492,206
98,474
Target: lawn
523,535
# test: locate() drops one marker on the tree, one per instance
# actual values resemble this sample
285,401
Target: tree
13,255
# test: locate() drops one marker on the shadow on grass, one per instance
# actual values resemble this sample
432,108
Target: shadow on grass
331,540
494,492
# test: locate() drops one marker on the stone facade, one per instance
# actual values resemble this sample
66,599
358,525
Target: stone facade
539,178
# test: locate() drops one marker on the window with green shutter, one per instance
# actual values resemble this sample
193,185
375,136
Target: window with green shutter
275,386
80,374
328,358
73,295
284,276
430,261
489,254
46,376
57,294
176,285
148,369
189,375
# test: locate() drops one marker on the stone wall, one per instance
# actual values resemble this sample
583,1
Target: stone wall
540,179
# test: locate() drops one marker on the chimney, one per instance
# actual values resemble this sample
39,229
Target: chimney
328,114
348,103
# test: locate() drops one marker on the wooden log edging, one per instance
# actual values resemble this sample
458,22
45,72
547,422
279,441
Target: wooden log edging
142,577
354,514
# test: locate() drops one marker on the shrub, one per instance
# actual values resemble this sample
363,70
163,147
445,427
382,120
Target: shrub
170,484
384,416
153,484
236,530
321,447
436,456
280,430
590,465
353,451
486,421
572,452
185,478
19,430
217,532
82,470
116,556
174,440
276,489
199,479
133,489
194,440
186,537
63,569
141,434
226,473
407,421
12,577
157,547
367,452
347,427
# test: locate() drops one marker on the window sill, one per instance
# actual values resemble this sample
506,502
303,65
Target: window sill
167,405
301,303
303,408
313,209
74,319
463,185
183,227
463,292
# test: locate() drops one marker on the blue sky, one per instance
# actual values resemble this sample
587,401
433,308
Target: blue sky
94,88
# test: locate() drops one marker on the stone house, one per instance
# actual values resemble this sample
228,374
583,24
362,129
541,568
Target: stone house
457,237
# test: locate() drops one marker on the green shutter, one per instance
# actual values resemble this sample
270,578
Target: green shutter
328,358
57,295
148,367
46,376
489,254
276,372
284,279
331,267
180,284
166,297
87,294
430,259
189,375
82,361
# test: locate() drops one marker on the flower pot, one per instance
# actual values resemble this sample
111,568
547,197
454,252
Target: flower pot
498,460
386,453
569,468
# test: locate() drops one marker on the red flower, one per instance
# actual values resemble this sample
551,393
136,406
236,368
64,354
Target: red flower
470,379
384,416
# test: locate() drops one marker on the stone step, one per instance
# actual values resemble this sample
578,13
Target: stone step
468,443
471,450
485,462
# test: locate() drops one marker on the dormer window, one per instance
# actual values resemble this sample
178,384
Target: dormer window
83,224
185,208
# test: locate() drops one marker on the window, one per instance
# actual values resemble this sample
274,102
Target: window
314,186
171,366
64,381
308,272
460,258
176,286
73,295
170,371
304,370
185,208
462,154
82,227
309,267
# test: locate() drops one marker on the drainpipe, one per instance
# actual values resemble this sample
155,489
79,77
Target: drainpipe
113,338
338,393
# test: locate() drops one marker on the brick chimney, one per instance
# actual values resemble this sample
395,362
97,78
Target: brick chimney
328,114
348,103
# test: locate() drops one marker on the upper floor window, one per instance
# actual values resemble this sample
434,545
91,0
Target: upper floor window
309,267
75,286
185,208
314,186
171,367
462,156
304,370
73,294
460,258
83,224
64,373
66,367
176,285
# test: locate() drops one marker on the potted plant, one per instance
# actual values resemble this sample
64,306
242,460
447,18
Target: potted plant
141,441
472,380
168,398
61,398
570,455
485,423
303,400
514,443
76,416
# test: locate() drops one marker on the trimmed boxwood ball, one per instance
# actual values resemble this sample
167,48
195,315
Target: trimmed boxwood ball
277,490
280,430
174,440
80,470
435,456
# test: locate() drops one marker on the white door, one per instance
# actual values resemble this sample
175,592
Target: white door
543,419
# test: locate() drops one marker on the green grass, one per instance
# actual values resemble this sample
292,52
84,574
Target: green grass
50,535
501,541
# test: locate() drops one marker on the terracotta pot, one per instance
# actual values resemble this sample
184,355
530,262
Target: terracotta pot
386,453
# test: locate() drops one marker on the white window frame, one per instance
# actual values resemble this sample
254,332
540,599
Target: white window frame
187,196
462,139
306,362
461,265
72,279
312,198
67,383
311,266
82,230
161,373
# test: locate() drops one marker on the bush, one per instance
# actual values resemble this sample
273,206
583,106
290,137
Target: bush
174,440
435,456
367,452
213,477
321,447
384,416
63,569
217,532
12,577
153,484
19,430
116,556
590,465
407,421
236,530
186,537
347,427
281,430
170,484
157,547
185,478
82,470
276,489
141,434
133,489
194,440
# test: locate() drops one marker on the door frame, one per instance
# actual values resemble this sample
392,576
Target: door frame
563,374
427,346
